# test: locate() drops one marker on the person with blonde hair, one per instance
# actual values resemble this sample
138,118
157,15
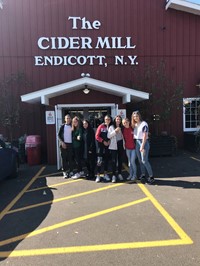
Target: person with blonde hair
141,130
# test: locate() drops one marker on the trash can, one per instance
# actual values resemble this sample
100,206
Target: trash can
33,149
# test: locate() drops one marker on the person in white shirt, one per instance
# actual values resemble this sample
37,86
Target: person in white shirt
116,147
141,130
65,138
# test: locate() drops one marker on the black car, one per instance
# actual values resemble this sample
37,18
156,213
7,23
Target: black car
8,162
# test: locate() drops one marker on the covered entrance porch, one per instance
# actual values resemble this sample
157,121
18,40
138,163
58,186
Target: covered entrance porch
69,97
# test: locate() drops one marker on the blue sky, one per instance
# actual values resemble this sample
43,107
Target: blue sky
194,1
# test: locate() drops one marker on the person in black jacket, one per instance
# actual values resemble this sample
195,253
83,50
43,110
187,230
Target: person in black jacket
89,149
103,151
77,138
66,148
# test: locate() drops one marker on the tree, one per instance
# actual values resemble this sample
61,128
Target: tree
10,104
165,95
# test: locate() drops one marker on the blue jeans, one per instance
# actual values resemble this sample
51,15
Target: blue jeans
143,157
131,154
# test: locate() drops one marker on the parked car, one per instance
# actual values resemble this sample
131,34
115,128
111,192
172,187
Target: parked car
8,162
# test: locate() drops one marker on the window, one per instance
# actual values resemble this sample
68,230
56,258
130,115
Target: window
191,114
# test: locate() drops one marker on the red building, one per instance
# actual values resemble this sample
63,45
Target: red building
65,46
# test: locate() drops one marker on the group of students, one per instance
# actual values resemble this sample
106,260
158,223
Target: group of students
78,141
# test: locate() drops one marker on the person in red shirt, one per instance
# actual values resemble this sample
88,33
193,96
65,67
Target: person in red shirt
130,149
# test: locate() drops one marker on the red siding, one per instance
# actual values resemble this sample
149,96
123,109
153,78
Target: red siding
81,98
169,35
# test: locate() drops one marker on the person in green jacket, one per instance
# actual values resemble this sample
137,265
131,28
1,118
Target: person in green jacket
77,138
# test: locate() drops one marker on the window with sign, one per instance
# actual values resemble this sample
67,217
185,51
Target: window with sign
191,114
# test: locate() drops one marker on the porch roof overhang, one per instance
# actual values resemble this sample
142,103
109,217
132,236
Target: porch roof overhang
43,96
183,5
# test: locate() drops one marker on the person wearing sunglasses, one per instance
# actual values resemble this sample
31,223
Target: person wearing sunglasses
141,131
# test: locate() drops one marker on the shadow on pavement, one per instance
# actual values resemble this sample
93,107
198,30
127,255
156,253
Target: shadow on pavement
184,164
17,224
178,183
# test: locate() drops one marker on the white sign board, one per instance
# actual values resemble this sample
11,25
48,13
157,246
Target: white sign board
50,117
122,113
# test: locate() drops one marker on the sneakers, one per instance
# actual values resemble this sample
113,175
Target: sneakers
82,173
142,178
114,179
120,177
98,179
106,177
133,179
65,175
129,178
150,180
76,176
70,174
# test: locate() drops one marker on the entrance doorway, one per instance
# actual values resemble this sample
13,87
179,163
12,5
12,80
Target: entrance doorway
95,115
93,112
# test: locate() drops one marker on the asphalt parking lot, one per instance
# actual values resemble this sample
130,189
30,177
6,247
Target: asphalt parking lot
48,220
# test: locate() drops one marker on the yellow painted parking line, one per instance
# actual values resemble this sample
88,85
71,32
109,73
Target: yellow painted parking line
65,198
54,185
92,248
12,203
72,221
166,215
184,238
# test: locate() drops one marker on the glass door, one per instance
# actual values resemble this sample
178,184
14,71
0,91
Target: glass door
92,112
95,115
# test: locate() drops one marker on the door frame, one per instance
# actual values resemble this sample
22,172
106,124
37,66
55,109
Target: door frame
59,119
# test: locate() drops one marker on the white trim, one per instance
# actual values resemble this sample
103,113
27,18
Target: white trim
44,100
1,4
44,95
126,98
58,117
183,5
188,129
85,105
